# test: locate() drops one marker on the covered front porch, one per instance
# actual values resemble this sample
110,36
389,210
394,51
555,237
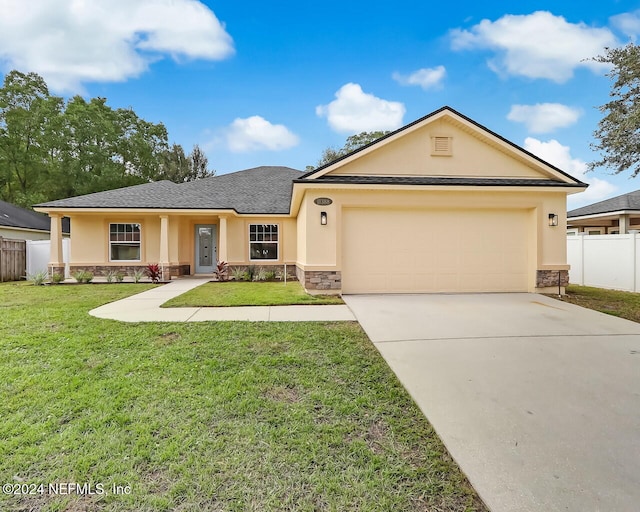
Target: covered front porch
181,242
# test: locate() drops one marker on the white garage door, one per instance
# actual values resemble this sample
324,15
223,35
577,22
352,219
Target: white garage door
402,251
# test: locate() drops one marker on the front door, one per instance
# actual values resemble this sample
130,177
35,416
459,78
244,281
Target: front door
206,250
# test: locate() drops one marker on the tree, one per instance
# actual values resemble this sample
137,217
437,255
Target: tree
27,113
177,167
50,149
618,132
352,143
199,165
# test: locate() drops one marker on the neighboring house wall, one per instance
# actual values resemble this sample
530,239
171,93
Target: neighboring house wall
23,234
605,261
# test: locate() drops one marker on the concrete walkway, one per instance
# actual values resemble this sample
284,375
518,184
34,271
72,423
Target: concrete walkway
537,400
145,307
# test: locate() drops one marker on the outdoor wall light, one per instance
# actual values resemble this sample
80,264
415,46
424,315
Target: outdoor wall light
323,218
553,219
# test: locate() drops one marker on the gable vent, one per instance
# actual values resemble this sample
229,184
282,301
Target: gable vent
441,146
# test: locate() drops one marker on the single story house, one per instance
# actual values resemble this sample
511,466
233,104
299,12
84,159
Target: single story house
615,216
22,224
442,204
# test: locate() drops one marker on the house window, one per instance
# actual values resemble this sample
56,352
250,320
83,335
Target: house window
263,241
124,242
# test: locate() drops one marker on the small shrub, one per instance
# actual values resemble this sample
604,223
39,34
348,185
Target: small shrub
110,276
57,278
137,275
270,275
39,278
279,274
153,272
119,277
83,276
251,273
260,275
222,270
238,273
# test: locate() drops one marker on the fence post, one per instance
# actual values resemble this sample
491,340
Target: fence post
634,270
581,235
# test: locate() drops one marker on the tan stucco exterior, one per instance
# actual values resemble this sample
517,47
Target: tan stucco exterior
385,236
93,229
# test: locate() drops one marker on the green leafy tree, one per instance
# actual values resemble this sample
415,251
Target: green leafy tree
50,149
27,116
177,167
352,143
618,132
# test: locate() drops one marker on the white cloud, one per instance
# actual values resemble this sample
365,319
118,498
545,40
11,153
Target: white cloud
70,42
628,23
544,117
354,111
537,45
256,133
427,78
560,156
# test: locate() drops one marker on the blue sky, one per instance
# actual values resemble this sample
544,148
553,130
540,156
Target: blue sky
274,83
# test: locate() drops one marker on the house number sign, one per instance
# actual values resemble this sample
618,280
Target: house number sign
322,201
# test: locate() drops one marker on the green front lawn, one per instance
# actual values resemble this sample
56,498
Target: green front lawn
613,302
206,416
232,293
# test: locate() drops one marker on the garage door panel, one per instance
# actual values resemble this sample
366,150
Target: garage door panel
404,251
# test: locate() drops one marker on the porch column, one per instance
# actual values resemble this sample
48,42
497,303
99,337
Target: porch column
623,224
222,245
164,247
56,261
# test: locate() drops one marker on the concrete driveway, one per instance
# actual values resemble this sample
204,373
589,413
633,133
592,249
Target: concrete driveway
537,400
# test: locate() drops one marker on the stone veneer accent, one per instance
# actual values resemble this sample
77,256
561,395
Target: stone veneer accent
320,279
549,278
56,269
101,270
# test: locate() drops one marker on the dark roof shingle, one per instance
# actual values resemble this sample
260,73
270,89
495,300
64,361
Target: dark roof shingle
630,201
439,180
13,216
259,190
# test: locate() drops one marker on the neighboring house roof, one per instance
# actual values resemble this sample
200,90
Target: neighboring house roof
13,216
625,202
264,189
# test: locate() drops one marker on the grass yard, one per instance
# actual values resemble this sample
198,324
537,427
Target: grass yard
232,293
613,302
228,416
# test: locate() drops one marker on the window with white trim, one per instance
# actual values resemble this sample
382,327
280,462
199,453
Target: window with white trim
124,242
263,241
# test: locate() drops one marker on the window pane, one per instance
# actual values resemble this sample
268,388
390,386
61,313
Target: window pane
264,251
125,251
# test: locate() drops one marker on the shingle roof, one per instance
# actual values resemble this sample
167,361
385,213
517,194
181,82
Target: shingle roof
258,190
437,180
16,217
630,201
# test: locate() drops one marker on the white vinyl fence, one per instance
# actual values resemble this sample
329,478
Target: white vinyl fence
605,261
38,252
